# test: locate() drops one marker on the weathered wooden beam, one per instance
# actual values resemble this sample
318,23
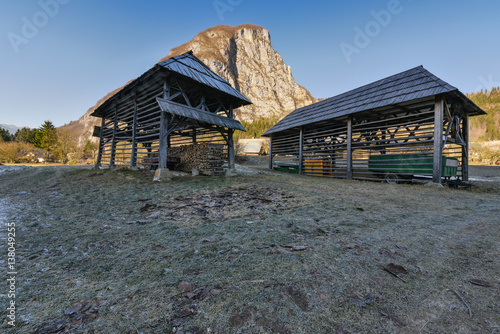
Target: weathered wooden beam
271,152
101,144
465,148
349,147
113,141
301,149
163,140
230,143
133,153
438,140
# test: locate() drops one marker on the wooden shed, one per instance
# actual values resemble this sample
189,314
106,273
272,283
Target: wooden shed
177,102
409,126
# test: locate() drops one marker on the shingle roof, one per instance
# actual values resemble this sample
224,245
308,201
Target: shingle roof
190,66
413,84
186,65
197,115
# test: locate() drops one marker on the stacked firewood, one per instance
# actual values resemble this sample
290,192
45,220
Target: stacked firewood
207,158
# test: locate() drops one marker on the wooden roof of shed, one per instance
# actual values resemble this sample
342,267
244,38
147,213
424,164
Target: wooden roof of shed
187,66
190,66
414,84
198,116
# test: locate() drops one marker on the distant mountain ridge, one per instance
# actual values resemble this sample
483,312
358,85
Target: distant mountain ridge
11,128
242,55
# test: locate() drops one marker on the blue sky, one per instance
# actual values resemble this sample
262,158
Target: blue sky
58,57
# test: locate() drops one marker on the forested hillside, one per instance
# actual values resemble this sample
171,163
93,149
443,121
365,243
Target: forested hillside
486,127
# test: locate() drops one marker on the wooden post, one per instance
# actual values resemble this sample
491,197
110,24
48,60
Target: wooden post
101,144
465,147
163,140
162,154
438,140
301,150
113,140
133,154
349,147
271,152
230,142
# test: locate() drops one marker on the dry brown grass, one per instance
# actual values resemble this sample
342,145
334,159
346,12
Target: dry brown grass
291,254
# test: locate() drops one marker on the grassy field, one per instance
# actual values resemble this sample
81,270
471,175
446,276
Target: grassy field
113,252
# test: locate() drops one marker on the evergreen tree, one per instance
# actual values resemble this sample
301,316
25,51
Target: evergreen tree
5,135
46,136
26,135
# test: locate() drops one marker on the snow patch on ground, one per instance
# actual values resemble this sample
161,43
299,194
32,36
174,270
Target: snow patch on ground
244,170
4,168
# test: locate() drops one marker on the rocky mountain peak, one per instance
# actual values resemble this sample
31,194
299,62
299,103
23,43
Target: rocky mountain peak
242,55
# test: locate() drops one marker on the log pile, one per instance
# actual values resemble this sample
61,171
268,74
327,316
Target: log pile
207,158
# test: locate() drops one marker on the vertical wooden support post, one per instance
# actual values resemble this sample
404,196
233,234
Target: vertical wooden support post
162,154
438,140
113,140
133,153
465,148
101,144
163,140
301,150
349,147
230,142
271,152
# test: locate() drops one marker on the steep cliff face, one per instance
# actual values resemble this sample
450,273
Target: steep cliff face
242,55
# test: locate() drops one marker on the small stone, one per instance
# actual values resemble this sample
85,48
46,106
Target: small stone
157,214
216,292
162,174
185,286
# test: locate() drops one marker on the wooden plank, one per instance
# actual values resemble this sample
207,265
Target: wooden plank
438,139
349,147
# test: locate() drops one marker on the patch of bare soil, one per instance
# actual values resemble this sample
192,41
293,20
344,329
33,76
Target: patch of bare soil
230,203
